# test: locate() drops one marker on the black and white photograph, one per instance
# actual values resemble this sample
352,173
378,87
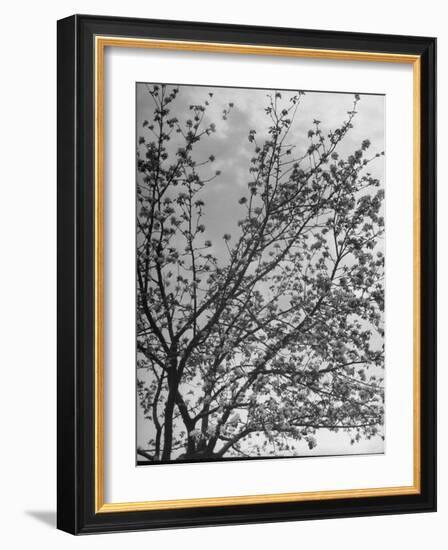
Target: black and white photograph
260,273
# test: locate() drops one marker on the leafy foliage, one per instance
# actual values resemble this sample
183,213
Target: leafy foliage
251,354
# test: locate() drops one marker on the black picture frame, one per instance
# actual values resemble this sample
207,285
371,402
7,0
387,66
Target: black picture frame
76,512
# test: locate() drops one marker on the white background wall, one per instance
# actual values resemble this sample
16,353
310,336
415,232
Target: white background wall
28,272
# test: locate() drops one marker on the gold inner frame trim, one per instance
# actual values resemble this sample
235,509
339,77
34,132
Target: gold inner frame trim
101,42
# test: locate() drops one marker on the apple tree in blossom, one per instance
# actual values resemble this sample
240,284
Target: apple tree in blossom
252,352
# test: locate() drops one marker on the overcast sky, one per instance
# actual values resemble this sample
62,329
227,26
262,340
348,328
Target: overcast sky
233,150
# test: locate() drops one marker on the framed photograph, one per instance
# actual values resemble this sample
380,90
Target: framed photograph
246,274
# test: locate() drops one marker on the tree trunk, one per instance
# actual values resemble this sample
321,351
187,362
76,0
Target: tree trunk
173,383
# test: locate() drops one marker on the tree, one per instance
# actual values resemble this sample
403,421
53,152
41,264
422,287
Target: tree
251,354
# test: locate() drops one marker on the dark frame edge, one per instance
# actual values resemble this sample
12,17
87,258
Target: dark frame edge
428,295
67,452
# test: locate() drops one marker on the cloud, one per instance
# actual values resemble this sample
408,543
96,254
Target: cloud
233,151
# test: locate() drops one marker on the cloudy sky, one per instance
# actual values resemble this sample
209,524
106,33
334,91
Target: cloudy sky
233,151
